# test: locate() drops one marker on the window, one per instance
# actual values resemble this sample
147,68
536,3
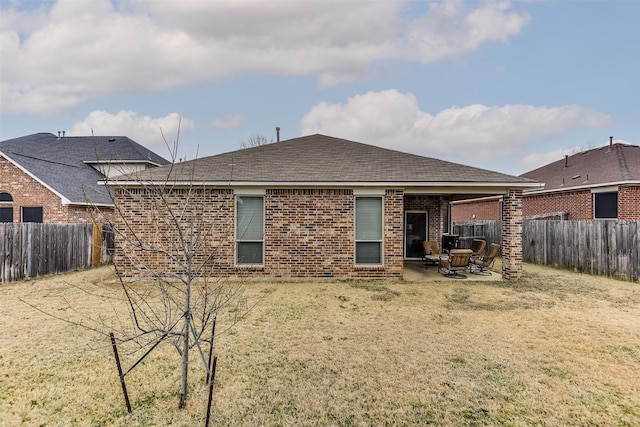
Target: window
6,207
32,214
249,229
606,205
368,230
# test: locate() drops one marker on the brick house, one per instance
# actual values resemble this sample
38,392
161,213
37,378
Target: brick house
314,206
49,178
601,183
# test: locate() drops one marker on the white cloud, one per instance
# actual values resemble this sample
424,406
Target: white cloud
470,134
53,58
534,161
228,122
148,131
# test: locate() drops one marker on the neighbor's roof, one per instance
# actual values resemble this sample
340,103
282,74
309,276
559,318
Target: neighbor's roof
62,164
323,160
609,165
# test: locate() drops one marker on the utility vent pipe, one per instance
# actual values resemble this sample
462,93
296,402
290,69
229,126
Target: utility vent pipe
278,134
610,141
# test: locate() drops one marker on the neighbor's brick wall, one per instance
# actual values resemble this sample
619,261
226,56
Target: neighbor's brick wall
629,202
579,204
308,232
483,210
28,192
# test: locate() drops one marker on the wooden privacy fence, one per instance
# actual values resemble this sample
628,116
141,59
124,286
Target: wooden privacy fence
29,250
605,248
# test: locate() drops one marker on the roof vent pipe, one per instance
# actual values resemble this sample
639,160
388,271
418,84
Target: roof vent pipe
610,141
63,132
566,160
278,134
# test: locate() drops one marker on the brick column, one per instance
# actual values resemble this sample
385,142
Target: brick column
512,235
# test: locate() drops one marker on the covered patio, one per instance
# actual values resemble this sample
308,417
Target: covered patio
415,271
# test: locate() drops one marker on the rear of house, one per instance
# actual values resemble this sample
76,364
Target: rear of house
313,206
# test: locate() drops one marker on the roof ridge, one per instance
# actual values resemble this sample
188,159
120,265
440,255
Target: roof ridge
622,163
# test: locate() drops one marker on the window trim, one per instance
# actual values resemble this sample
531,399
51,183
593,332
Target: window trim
355,237
238,240
6,204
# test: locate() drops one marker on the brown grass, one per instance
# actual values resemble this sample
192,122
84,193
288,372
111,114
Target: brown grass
552,349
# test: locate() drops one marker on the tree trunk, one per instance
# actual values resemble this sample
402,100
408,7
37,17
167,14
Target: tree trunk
185,349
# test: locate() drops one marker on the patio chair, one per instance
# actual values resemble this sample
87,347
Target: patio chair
478,246
483,263
457,260
432,252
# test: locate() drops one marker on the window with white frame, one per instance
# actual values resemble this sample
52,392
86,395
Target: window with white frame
6,207
249,230
369,230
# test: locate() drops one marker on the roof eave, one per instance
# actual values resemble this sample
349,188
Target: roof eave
581,187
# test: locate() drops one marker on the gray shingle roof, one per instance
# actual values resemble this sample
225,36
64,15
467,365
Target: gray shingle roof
61,162
324,159
596,167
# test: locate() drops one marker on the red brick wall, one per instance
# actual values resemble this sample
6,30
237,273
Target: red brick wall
308,232
579,204
512,235
28,192
483,210
629,202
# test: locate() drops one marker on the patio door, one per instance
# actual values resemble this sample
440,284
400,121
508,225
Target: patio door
415,232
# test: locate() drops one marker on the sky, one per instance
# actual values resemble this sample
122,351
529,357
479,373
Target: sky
501,85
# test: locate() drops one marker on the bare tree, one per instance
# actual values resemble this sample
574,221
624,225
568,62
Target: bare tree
165,265
256,141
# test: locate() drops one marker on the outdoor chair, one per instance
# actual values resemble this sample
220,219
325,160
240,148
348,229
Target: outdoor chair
478,246
457,260
432,252
483,263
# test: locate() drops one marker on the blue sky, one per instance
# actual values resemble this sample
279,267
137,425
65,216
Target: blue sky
506,86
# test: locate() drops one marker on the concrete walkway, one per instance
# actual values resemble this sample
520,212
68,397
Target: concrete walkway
415,271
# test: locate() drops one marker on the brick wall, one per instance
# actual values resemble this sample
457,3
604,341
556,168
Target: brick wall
629,202
28,192
436,207
579,204
308,232
478,210
512,235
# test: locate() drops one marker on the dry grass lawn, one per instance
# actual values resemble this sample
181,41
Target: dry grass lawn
552,349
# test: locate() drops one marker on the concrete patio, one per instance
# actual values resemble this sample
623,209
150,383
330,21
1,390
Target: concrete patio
415,271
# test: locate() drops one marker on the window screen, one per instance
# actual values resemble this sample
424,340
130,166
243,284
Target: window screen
368,230
6,214
250,230
32,214
606,205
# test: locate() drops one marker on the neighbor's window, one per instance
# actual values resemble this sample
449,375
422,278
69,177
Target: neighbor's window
368,230
605,205
6,207
32,214
249,229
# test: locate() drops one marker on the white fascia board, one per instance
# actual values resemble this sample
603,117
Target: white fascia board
580,187
419,187
477,199
63,199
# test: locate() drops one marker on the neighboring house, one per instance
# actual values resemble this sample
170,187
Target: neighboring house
49,178
316,206
601,183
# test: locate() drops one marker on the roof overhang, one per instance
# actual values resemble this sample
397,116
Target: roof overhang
459,187
580,187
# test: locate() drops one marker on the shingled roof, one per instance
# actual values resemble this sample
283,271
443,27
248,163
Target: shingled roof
609,165
324,160
63,164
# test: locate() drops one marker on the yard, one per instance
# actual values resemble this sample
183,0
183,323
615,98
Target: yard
552,349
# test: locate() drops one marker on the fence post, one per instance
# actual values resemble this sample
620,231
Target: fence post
96,249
